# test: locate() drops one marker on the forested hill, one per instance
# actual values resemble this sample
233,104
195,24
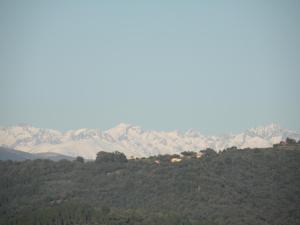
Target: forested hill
233,187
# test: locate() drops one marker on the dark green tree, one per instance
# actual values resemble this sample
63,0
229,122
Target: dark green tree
189,154
209,153
290,141
111,157
79,159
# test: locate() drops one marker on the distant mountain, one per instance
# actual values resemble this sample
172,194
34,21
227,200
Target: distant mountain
133,140
52,156
11,154
16,155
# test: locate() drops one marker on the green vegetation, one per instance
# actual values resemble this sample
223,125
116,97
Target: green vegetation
117,157
234,187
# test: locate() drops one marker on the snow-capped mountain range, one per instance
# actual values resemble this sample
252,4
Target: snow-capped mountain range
133,140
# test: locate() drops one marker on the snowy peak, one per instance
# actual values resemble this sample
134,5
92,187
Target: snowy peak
123,131
272,131
192,133
83,134
267,131
133,140
25,134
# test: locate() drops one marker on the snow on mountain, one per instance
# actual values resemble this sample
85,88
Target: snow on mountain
133,140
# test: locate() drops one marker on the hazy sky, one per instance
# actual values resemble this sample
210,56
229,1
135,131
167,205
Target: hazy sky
216,66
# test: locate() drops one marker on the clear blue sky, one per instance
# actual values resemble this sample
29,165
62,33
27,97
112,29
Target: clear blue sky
216,66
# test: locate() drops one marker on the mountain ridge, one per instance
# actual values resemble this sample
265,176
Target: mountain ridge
17,155
133,140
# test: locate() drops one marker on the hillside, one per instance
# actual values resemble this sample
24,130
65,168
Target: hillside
11,154
134,141
244,187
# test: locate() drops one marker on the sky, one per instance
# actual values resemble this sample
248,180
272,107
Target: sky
214,66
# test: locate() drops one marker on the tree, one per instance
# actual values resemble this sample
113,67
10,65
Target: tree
232,148
111,157
79,159
290,141
189,154
209,152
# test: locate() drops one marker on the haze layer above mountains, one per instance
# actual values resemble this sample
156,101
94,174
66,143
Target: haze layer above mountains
133,140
